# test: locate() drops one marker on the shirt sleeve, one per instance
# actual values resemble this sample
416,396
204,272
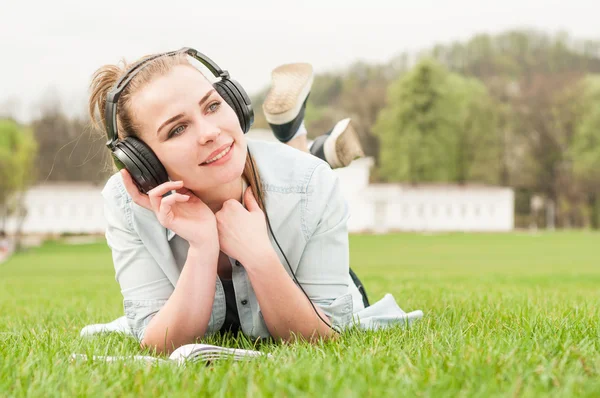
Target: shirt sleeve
324,269
144,285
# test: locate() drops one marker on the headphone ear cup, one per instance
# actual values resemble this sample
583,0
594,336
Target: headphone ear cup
123,159
228,97
244,102
148,156
233,93
152,172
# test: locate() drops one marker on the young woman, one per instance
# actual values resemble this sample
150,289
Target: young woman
246,235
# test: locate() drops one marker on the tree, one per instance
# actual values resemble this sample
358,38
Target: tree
17,156
529,75
584,152
411,127
437,127
545,112
68,148
474,126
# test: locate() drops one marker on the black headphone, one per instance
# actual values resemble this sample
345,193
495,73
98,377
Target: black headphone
133,154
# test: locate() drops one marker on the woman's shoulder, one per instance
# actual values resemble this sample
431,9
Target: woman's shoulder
119,206
114,189
283,168
116,198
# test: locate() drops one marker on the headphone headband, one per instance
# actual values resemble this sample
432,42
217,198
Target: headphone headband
112,99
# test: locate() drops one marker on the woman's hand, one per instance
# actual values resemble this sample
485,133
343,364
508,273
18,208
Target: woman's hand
243,233
181,212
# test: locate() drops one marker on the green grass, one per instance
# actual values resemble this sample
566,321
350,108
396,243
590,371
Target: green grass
505,315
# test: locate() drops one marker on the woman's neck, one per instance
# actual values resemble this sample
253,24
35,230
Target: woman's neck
214,199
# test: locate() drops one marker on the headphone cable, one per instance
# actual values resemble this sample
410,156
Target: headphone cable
281,251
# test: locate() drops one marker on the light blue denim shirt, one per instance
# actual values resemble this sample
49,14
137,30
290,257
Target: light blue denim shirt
309,218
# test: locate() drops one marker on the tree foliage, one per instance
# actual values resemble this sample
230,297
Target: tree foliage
437,127
18,149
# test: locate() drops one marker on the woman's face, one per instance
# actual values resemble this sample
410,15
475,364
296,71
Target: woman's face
193,131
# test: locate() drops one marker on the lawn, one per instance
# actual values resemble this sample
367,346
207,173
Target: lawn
505,315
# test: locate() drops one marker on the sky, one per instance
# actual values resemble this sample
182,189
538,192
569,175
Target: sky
50,49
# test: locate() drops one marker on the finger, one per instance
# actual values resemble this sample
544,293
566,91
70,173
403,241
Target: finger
172,199
165,187
250,201
167,203
156,194
232,206
177,197
133,191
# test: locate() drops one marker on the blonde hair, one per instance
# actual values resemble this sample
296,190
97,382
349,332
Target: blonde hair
105,78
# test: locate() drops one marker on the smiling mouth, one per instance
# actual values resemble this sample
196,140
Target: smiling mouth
223,153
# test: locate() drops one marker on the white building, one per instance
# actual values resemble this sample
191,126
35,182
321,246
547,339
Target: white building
56,208
398,207
78,208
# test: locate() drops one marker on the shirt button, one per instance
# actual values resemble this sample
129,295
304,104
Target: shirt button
237,263
244,302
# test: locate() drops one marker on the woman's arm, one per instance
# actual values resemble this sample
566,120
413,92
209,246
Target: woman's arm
287,312
323,270
161,316
186,313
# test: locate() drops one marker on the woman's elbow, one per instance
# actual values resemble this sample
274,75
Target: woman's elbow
316,336
164,344
155,347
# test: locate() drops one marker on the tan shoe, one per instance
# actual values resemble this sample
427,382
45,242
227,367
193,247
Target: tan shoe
342,145
285,102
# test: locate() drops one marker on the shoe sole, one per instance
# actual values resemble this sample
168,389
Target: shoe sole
343,145
290,85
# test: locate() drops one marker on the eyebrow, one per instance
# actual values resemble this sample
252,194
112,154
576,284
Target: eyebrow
179,116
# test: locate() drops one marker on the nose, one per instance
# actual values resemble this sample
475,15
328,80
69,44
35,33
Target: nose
208,131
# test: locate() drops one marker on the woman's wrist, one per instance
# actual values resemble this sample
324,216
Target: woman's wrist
260,258
203,250
209,239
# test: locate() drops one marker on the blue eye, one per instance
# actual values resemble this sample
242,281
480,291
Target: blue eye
214,106
177,131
